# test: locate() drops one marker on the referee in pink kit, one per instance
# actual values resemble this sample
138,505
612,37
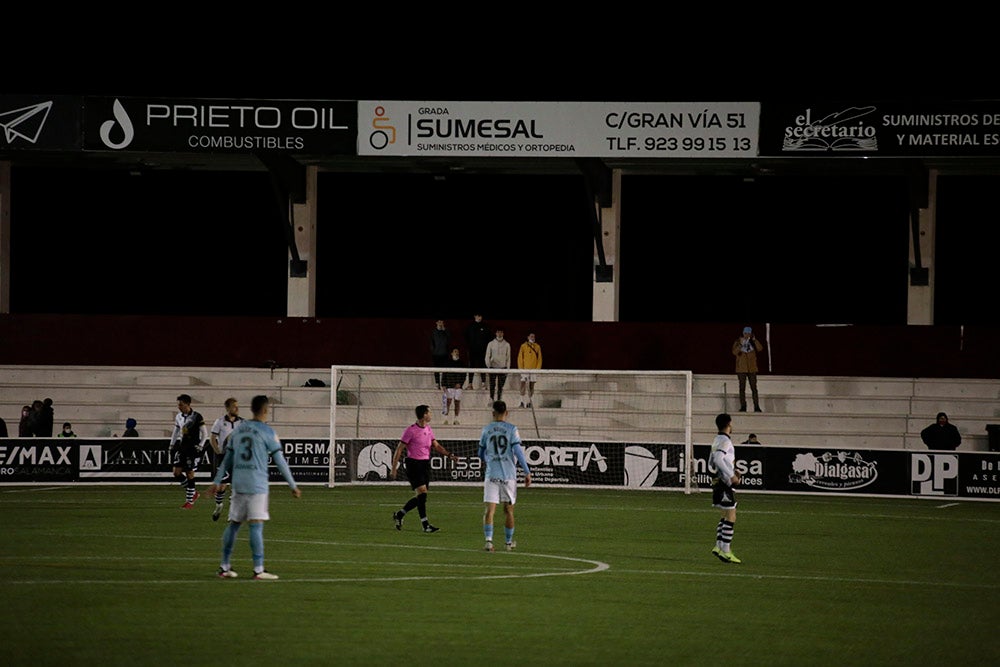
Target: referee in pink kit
417,440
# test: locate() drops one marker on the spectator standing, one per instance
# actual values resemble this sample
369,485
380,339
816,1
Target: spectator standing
529,358
723,458
500,449
186,444
452,383
130,431
440,348
219,436
253,441
417,441
67,431
942,434
497,356
47,422
24,427
36,419
745,350
477,337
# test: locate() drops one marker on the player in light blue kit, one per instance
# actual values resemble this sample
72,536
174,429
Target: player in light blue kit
500,448
249,446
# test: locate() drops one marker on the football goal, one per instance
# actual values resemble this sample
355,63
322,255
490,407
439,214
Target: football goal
578,427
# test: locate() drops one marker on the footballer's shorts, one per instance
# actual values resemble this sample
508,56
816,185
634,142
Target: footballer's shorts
248,507
418,471
227,477
500,491
723,495
184,457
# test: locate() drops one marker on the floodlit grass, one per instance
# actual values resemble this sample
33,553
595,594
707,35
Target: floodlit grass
122,576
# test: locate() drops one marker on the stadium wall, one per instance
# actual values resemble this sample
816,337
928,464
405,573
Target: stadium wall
704,348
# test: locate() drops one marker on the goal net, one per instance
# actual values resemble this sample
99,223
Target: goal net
628,429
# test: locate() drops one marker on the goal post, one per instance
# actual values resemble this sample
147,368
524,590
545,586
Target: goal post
596,428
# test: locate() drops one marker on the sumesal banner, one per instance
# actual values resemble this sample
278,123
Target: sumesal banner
559,129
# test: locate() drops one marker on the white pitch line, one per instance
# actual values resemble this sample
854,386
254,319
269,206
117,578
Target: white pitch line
597,566
791,577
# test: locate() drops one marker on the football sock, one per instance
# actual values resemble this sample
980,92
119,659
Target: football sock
410,504
189,491
508,534
488,531
422,506
219,497
228,540
728,528
257,545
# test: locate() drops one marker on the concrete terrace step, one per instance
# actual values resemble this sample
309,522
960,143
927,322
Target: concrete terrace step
820,411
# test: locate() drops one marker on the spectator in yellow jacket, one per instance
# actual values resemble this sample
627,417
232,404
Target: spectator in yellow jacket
529,358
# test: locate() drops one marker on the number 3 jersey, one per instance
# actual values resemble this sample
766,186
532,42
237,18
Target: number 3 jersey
250,445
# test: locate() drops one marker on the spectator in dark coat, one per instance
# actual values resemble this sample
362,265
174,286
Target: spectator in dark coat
36,419
942,434
440,349
130,431
46,424
24,427
477,336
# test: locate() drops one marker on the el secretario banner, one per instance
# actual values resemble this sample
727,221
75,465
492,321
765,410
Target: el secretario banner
880,128
558,129
618,465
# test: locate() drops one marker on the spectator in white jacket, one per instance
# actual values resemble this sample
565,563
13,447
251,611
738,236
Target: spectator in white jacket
497,356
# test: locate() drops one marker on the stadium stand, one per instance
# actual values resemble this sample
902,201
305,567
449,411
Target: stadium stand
843,412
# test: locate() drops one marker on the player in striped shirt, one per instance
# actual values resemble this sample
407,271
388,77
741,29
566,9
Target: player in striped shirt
221,429
186,444
723,458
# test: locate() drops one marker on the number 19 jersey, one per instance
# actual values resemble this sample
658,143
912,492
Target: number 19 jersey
500,448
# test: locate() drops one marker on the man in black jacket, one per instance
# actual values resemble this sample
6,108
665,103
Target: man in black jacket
942,434
477,337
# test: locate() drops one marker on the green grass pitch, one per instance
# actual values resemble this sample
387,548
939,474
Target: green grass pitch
120,575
